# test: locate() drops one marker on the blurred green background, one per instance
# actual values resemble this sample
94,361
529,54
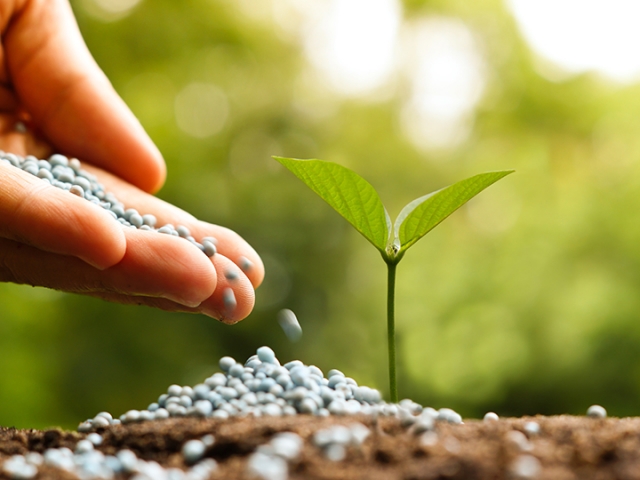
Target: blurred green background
525,301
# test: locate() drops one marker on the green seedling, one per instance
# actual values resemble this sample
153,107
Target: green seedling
357,201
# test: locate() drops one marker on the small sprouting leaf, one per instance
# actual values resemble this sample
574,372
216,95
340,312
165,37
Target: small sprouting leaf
423,214
348,193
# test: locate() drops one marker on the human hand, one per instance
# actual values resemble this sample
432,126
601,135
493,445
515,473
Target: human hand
51,238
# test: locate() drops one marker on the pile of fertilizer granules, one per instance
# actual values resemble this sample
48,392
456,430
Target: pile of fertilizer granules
263,387
265,421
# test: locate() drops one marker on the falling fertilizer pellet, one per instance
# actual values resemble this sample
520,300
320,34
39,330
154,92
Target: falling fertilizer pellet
290,325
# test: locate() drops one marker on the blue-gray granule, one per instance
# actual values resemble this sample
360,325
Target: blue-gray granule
290,325
596,411
270,461
67,174
87,463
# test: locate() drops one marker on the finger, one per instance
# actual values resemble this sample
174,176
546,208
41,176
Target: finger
160,265
70,99
232,301
154,265
154,302
229,243
35,213
232,246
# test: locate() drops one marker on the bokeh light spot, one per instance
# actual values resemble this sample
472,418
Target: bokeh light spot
446,77
109,10
583,35
353,43
201,109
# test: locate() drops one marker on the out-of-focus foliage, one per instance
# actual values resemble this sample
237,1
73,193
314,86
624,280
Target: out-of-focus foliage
525,301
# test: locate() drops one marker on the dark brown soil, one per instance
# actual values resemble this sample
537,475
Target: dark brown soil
566,447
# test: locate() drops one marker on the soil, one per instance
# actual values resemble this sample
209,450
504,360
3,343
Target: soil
567,447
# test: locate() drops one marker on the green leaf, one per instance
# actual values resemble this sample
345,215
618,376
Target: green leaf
423,214
348,193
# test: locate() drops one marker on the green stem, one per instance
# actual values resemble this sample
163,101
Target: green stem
391,329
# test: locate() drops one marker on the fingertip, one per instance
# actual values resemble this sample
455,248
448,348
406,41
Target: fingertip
160,171
234,296
123,147
235,304
251,264
189,273
37,214
238,250
106,242
150,170
96,237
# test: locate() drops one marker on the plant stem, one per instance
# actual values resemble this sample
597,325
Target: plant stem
391,329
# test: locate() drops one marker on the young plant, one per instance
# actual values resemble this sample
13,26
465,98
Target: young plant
357,201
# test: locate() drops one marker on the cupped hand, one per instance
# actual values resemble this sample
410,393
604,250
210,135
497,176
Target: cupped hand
49,237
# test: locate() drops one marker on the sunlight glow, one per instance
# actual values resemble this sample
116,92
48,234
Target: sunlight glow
201,109
364,49
447,78
109,10
583,35
353,43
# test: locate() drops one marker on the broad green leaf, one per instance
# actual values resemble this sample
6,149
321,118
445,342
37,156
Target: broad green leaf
423,214
348,193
